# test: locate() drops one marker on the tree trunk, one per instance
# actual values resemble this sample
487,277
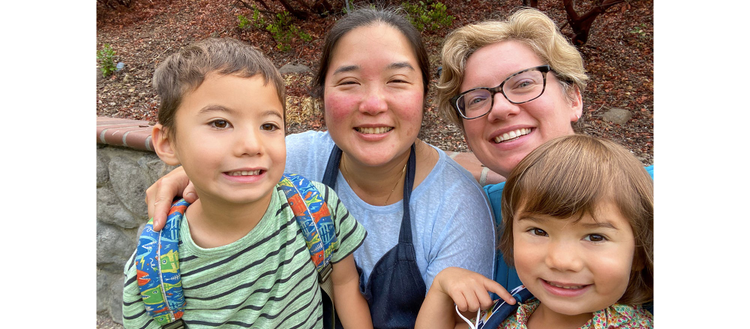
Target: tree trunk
297,13
581,25
322,6
250,6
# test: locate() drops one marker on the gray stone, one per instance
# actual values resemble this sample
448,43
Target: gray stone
107,205
122,178
292,68
115,305
126,219
617,116
129,182
102,174
113,247
103,292
111,211
154,167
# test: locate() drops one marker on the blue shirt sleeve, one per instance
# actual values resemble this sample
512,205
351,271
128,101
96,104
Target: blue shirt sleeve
504,275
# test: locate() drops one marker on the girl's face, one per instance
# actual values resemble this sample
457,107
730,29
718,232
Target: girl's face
373,94
509,132
574,268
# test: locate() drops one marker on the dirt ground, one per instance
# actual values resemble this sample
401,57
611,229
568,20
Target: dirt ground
618,57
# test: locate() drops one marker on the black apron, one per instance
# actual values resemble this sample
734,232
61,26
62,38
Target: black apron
395,290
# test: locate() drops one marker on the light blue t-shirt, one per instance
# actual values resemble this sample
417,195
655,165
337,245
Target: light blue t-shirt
451,219
504,274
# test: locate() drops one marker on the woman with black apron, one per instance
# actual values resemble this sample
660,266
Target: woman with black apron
399,288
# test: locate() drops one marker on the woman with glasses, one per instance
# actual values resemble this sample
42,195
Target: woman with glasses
423,212
511,86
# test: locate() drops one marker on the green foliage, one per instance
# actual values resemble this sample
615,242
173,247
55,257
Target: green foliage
244,22
257,21
106,59
428,15
281,28
641,31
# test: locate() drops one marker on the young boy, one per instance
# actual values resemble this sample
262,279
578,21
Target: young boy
243,259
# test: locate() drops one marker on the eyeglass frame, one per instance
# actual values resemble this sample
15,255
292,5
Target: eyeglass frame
499,89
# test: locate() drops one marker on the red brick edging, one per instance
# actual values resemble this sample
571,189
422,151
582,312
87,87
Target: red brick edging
135,134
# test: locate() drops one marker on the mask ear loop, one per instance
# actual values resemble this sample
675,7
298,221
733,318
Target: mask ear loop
471,326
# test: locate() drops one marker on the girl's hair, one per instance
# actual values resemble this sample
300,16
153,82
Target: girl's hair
570,176
185,71
366,17
528,26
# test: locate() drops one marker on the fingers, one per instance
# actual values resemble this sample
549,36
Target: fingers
161,209
159,196
469,290
498,289
189,193
474,298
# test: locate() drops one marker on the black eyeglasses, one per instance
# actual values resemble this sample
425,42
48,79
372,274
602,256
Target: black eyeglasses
521,87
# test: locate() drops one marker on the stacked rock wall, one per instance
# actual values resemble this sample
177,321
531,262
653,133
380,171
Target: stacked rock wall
122,176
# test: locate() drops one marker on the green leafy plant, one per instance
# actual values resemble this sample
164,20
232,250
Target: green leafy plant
640,31
244,22
257,20
106,59
283,31
428,15
281,28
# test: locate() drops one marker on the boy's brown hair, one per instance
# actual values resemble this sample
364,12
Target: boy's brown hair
571,175
185,71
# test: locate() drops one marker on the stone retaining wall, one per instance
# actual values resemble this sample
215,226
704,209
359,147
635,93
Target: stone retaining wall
122,176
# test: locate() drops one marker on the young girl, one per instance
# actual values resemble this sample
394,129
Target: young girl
578,227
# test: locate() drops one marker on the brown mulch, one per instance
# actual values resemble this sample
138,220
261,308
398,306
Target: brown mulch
618,57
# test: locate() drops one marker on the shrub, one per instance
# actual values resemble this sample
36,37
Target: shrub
283,31
281,28
106,59
429,15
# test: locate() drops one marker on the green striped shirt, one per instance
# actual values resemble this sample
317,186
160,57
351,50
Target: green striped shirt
263,280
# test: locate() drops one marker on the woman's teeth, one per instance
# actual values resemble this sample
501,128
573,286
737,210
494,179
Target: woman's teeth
245,173
379,130
512,135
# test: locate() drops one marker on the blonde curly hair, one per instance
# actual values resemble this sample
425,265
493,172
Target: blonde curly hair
528,26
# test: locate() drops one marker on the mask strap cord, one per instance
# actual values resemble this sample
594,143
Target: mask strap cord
471,326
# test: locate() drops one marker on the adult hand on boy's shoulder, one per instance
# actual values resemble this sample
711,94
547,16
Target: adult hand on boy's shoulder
160,195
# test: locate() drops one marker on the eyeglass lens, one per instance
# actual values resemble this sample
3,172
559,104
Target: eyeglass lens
519,88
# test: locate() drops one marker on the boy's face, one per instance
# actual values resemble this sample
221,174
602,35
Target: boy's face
230,138
575,268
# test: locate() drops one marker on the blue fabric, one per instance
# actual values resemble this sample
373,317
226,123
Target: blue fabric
504,274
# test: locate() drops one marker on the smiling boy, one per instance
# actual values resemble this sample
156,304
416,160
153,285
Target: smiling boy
243,258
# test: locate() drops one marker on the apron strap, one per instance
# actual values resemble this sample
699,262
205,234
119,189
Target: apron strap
332,168
404,235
